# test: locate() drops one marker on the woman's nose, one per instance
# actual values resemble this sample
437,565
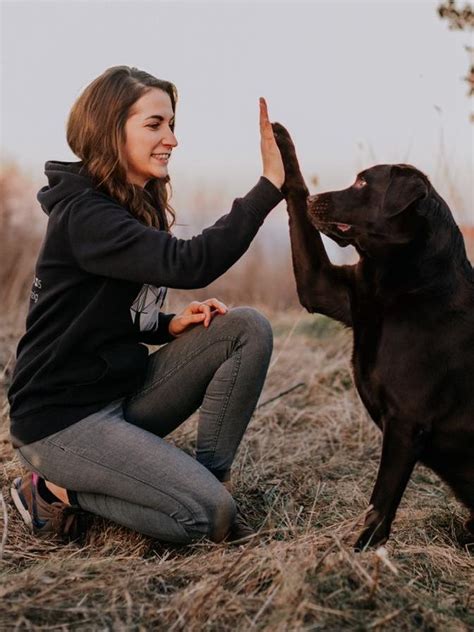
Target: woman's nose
170,140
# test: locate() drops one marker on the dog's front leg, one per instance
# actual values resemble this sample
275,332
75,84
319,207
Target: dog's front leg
322,287
400,452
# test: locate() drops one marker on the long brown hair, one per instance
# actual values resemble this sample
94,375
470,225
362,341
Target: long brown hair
96,134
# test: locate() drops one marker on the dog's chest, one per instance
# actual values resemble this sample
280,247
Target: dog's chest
399,368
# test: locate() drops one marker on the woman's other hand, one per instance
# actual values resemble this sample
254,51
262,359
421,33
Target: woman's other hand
195,313
273,168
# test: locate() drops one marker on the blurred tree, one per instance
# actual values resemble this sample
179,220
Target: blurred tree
461,20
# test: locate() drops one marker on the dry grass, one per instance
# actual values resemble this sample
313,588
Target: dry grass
303,474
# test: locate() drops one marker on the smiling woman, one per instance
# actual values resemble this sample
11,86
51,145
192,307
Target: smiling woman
89,405
113,130
149,137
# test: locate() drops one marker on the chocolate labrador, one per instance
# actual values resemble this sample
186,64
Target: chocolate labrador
410,303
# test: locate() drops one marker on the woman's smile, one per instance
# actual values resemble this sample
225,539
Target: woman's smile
162,158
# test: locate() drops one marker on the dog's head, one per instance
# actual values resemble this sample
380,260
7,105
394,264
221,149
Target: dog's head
376,212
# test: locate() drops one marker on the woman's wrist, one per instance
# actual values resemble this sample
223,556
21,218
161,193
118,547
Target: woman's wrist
276,180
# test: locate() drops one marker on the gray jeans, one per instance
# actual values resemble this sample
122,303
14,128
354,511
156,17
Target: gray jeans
121,467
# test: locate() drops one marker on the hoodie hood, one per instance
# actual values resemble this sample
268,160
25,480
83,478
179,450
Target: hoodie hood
65,179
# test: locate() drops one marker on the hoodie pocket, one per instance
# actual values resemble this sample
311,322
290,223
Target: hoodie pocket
81,370
125,360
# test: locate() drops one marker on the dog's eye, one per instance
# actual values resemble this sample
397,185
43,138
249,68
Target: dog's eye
359,183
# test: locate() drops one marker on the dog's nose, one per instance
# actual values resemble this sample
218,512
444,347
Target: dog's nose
312,202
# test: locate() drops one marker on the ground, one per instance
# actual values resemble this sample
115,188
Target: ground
303,476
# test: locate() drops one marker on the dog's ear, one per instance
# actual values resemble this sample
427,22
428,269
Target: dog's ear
406,185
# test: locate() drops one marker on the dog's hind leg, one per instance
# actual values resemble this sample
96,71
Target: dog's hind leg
400,452
461,481
463,488
451,456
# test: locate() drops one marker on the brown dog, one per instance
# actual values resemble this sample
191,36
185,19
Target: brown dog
410,303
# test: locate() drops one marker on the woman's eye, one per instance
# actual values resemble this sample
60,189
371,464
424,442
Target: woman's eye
156,126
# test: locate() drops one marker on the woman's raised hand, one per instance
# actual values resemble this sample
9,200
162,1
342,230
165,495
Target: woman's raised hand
273,168
195,313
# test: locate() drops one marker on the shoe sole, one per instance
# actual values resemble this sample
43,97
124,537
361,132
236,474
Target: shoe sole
25,514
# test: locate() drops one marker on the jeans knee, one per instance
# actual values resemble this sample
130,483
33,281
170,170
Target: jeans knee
253,325
220,513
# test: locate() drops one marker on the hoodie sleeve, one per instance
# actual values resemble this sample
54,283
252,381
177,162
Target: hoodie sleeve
107,240
161,335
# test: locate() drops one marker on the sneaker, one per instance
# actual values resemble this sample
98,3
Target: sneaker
240,528
43,518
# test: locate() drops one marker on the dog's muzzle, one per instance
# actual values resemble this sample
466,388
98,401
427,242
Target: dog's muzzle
318,207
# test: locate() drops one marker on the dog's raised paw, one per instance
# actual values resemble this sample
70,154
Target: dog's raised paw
279,129
294,180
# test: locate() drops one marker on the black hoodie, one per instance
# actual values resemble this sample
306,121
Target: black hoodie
82,346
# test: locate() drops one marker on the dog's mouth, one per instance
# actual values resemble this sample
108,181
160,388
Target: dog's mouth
319,210
324,224
340,232
321,222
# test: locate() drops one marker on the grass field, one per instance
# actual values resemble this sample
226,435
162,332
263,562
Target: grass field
304,474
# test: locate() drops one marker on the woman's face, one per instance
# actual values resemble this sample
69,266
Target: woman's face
149,137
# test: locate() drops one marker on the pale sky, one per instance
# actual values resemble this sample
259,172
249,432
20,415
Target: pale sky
356,83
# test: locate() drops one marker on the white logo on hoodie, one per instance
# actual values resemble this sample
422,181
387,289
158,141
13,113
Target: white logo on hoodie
146,307
37,284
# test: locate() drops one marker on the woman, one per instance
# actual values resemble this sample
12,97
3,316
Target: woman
89,406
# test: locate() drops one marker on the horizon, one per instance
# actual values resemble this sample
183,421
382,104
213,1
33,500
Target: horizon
356,83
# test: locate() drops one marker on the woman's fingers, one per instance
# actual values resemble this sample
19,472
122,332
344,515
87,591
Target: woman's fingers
264,120
218,305
272,161
201,312
186,319
206,310
198,312
198,317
